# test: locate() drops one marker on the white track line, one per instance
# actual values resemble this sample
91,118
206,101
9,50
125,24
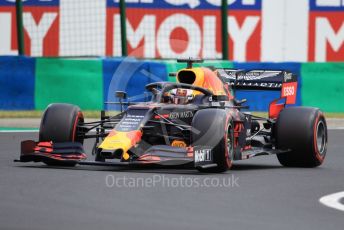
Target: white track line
333,200
336,128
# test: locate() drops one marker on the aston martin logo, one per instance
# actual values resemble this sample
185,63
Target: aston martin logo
258,75
250,76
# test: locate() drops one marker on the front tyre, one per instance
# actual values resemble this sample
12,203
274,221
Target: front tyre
213,127
59,123
303,130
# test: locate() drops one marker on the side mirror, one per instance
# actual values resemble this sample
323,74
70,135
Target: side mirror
121,94
239,103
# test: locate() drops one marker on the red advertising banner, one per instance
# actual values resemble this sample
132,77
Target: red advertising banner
188,33
326,31
259,30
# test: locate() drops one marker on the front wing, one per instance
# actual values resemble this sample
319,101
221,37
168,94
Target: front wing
72,153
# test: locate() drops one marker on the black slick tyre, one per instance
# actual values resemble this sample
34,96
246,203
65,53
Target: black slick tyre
303,131
213,127
59,123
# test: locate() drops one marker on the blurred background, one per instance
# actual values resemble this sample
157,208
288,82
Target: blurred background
81,51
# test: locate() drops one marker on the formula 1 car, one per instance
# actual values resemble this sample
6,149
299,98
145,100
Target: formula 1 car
196,122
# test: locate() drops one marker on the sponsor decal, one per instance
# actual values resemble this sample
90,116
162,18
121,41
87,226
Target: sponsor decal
203,155
181,115
249,76
130,122
179,143
255,78
289,92
257,84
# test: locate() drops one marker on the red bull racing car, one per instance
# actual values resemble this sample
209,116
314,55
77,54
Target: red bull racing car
196,122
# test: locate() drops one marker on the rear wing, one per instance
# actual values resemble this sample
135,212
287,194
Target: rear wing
283,81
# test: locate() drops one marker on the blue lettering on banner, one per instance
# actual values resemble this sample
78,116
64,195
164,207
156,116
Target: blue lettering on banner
158,4
31,2
326,5
189,4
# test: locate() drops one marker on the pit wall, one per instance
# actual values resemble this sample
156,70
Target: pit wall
33,83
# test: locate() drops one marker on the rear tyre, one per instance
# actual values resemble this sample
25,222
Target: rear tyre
59,123
212,127
303,130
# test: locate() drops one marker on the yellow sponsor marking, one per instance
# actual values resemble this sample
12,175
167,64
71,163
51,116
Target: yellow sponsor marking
179,143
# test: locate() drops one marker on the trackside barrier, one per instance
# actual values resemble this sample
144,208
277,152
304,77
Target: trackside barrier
71,81
131,76
323,86
33,83
17,83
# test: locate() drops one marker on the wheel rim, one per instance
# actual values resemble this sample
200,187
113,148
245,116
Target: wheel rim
229,143
78,121
321,137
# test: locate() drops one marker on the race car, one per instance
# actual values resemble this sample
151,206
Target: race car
195,122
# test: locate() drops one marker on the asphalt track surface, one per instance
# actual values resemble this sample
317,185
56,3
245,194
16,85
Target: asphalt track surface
262,195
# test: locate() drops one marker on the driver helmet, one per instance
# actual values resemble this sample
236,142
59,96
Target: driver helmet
181,96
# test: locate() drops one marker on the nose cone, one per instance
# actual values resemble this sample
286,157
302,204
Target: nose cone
120,141
109,154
